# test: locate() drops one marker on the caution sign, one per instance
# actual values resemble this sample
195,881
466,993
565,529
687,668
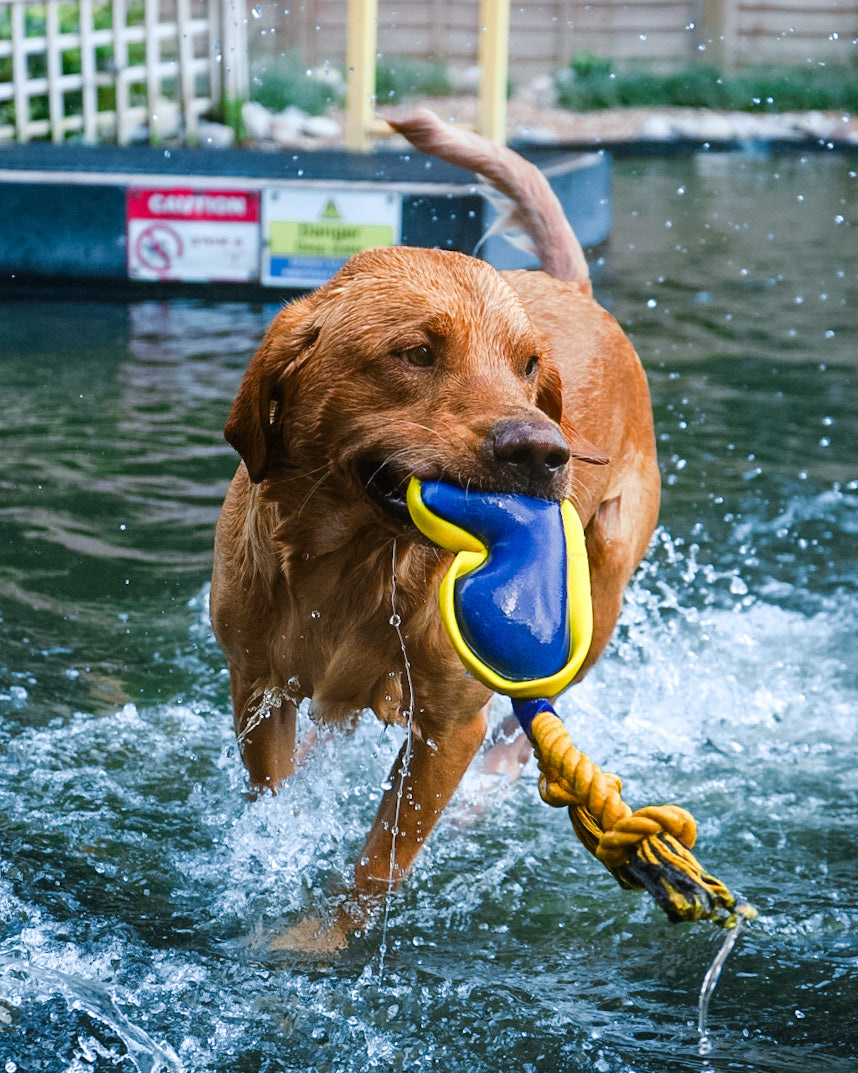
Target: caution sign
310,233
197,236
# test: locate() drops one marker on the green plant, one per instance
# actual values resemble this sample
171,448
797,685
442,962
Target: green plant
590,84
284,81
400,77
585,65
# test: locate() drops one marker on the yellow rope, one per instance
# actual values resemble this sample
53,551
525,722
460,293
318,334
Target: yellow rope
647,849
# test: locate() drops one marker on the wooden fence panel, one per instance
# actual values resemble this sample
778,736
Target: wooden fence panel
547,34
658,33
794,31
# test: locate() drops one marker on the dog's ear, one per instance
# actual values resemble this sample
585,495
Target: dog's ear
256,421
549,399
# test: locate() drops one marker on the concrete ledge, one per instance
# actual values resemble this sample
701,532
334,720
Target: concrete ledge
69,212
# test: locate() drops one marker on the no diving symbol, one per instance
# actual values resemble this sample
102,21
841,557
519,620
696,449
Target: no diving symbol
158,248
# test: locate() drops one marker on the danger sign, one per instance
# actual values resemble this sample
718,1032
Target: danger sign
310,233
193,235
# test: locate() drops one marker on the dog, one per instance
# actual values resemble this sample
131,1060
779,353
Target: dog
428,363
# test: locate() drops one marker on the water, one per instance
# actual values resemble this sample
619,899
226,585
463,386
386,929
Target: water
135,878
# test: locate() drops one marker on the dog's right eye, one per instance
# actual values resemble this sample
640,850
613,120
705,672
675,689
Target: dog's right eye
421,356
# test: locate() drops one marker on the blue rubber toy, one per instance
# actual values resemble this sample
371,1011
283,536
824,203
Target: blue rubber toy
516,600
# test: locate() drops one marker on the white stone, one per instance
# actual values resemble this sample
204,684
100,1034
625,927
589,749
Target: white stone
536,135
329,76
712,127
169,120
815,124
287,126
465,80
658,128
541,92
215,135
321,126
257,120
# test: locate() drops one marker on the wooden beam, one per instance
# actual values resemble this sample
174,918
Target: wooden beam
361,47
493,58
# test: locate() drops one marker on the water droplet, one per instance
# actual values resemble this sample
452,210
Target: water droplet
294,685
652,303
256,11
316,614
395,620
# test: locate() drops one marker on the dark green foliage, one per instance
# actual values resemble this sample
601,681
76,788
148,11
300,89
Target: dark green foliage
398,78
284,81
591,83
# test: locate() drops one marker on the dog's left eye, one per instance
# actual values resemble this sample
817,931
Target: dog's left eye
532,366
422,356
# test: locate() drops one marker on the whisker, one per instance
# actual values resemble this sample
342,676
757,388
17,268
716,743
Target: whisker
315,488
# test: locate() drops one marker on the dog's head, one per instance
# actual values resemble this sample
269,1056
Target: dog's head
408,362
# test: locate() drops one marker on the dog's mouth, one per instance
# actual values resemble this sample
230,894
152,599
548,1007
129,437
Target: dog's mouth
386,486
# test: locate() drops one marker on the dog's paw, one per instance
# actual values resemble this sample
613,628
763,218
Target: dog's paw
312,937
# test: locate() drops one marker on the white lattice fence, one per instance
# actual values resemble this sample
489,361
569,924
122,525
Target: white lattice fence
117,70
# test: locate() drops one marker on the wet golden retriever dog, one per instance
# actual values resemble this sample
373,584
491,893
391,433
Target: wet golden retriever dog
426,362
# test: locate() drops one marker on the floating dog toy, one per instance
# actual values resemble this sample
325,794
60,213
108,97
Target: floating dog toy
516,605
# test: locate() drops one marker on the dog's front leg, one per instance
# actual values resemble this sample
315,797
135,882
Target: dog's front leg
424,778
265,731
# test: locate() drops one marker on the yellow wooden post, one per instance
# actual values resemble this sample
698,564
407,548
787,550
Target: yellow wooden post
361,45
493,58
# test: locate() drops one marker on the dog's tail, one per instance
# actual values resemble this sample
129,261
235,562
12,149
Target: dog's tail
535,209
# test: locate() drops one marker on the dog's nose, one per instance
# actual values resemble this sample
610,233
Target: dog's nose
536,449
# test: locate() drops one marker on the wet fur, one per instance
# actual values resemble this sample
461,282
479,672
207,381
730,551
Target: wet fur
302,590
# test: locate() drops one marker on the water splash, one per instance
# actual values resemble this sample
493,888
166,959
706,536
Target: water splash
147,1055
269,699
710,982
396,623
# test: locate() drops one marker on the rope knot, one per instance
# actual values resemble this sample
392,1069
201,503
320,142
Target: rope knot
647,849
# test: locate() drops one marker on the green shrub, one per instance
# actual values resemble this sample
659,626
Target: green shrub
398,78
284,81
590,83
